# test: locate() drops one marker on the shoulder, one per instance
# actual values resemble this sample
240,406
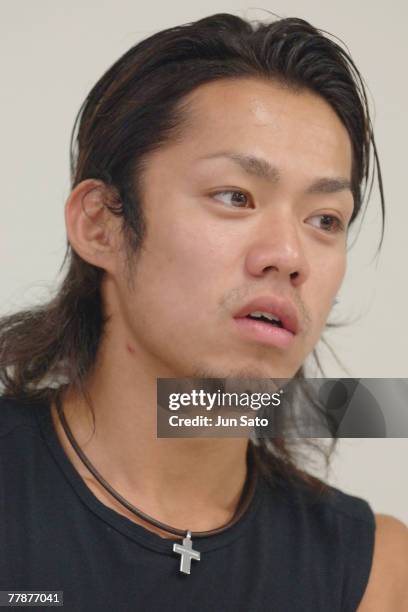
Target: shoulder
387,589
328,506
15,414
369,551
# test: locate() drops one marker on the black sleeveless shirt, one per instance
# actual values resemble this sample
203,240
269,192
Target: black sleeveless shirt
287,553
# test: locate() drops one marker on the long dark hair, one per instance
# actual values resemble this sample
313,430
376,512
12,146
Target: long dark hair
136,107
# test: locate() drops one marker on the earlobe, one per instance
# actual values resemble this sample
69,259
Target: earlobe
90,224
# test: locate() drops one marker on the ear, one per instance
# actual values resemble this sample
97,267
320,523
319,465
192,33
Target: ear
93,231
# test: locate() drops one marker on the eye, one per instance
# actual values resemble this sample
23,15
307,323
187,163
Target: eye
328,223
238,200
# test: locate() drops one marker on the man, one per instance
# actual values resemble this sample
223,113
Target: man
218,169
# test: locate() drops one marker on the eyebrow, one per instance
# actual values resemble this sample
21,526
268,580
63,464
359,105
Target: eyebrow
262,168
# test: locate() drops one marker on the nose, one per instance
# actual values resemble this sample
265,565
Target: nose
277,249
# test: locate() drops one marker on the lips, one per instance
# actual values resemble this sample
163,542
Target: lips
278,307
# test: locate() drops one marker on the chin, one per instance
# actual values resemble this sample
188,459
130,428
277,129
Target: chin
246,371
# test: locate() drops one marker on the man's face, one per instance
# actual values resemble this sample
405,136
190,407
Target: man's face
221,232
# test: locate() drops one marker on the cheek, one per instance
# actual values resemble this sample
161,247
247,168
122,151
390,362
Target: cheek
328,279
178,272
186,257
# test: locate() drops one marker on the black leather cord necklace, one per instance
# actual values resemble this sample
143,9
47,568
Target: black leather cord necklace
186,548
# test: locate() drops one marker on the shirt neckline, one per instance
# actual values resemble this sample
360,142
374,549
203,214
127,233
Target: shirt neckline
121,523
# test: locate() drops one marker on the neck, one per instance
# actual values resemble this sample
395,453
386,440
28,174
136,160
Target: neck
191,484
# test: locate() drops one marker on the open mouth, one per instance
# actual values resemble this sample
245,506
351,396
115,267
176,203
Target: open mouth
266,318
265,328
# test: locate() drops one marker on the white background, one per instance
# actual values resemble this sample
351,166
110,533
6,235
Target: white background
52,52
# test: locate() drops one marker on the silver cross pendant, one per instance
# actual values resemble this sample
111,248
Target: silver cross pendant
187,553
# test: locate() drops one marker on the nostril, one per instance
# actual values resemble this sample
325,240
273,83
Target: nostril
267,268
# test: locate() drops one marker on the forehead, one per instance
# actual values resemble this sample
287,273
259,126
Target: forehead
290,127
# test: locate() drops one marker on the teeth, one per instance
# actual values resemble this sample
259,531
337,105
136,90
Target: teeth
267,315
